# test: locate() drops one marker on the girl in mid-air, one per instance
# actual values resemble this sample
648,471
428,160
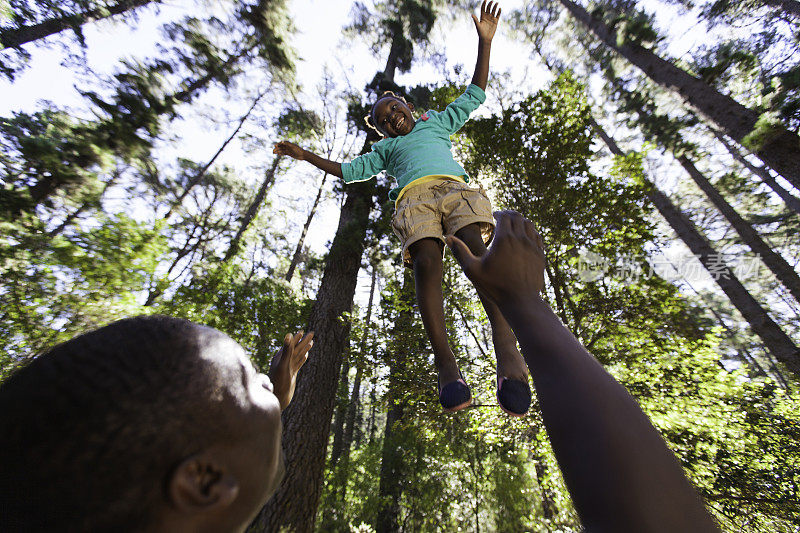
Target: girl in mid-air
432,199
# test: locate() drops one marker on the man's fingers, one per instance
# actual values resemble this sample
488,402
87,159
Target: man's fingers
503,226
462,253
306,343
475,20
533,235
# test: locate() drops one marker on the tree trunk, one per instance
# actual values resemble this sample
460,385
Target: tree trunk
774,261
341,409
298,250
16,37
391,477
252,211
773,337
199,176
790,6
654,125
392,473
307,419
355,395
736,120
791,201
84,206
373,402
549,508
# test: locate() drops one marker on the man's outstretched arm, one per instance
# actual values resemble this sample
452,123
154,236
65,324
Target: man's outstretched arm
618,469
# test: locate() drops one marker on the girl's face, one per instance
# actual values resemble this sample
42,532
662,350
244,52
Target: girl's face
393,117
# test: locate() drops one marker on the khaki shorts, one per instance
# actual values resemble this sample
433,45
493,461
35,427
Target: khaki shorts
437,208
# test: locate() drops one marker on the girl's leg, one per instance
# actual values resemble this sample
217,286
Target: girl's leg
510,363
426,256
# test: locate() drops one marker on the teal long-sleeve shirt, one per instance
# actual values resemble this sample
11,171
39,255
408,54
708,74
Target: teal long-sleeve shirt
424,151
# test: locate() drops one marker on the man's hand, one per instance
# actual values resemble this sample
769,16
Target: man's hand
286,363
513,267
290,149
487,24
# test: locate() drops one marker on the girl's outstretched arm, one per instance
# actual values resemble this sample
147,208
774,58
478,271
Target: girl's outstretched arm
294,151
486,26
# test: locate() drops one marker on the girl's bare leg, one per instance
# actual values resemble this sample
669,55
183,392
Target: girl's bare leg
510,363
426,256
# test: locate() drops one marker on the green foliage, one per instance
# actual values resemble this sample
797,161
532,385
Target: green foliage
257,313
736,438
398,23
56,288
768,126
299,124
45,152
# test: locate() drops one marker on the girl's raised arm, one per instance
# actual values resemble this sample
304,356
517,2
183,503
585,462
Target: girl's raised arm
486,26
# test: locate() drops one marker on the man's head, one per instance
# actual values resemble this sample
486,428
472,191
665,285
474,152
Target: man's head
391,115
150,422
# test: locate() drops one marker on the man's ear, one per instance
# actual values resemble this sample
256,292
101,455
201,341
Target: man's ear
410,106
201,483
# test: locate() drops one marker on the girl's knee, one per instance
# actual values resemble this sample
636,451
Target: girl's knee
472,237
426,254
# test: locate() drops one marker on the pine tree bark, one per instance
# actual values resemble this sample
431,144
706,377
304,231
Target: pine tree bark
549,508
202,172
16,37
774,338
299,248
252,210
341,410
736,120
774,261
355,395
392,475
792,202
307,419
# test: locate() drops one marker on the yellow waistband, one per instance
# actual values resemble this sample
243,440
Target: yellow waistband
425,179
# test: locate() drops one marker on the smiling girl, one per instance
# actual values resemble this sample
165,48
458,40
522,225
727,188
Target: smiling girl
432,200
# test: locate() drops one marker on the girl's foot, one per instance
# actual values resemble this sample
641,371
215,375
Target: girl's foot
455,395
513,396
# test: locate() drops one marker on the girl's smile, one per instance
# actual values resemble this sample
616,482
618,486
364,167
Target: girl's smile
393,117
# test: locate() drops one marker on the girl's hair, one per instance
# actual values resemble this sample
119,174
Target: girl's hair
370,119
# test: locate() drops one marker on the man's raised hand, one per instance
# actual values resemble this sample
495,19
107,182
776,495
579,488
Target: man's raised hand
513,267
486,26
287,363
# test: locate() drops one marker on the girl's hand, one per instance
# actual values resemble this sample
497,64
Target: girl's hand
286,364
488,23
290,149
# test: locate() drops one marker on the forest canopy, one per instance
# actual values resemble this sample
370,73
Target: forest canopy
653,144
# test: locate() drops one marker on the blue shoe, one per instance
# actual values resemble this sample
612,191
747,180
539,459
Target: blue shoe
455,395
513,396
